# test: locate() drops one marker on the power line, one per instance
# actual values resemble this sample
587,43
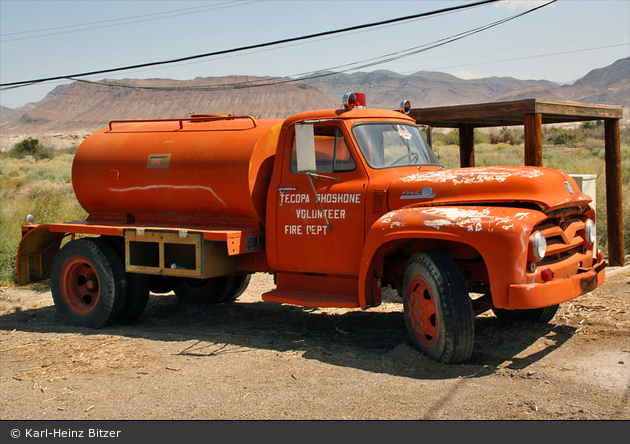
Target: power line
328,71
534,56
255,46
127,20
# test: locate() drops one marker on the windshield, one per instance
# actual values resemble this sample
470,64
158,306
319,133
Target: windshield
390,145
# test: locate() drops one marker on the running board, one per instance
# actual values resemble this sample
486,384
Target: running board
325,291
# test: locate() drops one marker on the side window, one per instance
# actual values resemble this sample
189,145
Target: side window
331,151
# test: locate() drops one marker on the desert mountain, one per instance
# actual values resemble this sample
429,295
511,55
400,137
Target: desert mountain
82,106
386,89
606,86
90,106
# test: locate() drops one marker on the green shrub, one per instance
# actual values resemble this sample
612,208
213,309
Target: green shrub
31,147
481,138
450,138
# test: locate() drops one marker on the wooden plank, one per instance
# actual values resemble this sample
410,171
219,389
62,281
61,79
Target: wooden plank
614,201
512,113
492,110
577,111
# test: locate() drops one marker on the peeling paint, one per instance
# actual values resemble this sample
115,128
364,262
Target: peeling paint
471,219
395,218
478,175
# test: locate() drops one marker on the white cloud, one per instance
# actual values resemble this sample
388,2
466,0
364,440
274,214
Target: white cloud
466,75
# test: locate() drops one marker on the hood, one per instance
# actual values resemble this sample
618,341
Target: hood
549,189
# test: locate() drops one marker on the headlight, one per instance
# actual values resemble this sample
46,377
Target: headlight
589,232
538,245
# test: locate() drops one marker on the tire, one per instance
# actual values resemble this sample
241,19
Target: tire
88,283
137,284
538,315
437,307
239,285
137,299
212,290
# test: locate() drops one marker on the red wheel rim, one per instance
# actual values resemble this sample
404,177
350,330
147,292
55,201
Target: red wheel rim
423,313
79,285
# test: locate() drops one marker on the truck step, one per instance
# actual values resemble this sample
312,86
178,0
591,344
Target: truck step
311,299
323,291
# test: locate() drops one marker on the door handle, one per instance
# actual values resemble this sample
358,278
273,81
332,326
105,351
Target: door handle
282,190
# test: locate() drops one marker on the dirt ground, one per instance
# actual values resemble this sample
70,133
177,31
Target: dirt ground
262,360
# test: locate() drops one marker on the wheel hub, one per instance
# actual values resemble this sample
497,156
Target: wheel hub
423,312
80,285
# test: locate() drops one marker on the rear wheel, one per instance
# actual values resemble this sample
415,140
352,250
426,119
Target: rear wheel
212,290
138,297
437,307
88,283
538,315
137,284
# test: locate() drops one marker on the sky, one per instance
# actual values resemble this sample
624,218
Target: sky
560,42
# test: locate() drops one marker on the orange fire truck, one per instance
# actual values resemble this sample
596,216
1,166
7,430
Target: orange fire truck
336,204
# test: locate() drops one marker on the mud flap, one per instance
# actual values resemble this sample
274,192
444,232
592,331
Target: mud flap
36,253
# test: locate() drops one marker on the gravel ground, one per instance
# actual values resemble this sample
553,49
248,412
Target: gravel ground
262,360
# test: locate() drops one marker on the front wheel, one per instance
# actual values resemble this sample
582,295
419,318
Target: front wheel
437,308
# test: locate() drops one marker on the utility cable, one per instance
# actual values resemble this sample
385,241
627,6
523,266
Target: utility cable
255,46
112,22
328,71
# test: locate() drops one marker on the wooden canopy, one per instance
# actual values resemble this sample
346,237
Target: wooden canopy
532,114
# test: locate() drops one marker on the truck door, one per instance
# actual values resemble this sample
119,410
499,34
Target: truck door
325,236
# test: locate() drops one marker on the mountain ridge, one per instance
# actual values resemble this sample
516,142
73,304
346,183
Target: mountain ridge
88,106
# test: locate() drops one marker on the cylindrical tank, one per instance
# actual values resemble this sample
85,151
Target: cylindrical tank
194,168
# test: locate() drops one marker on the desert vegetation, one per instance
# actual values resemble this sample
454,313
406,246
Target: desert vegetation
37,180
33,180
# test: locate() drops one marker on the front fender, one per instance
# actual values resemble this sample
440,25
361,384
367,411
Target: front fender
499,234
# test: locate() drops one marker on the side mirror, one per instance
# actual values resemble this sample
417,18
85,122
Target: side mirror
305,147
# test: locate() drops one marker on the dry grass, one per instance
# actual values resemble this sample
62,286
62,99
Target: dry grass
39,187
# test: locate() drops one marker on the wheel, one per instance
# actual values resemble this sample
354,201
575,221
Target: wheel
137,284
437,308
212,290
137,298
88,283
239,285
538,315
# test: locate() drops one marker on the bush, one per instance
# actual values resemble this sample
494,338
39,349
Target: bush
450,138
507,136
481,138
31,147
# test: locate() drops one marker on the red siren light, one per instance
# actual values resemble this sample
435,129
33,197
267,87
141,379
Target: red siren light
354,100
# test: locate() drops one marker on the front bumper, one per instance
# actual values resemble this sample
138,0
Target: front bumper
545,294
